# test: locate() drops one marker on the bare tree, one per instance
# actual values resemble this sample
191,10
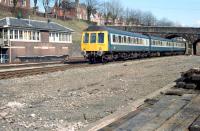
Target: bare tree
65,5
92,6
165,22
116,9
135,17
148,19
105,10
35,6
15,4
46,5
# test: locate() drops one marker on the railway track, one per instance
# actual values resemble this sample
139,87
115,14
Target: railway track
38,71
18,71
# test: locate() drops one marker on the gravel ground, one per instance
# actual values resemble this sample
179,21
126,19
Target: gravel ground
70,100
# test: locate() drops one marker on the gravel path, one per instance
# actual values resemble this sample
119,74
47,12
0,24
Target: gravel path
72,99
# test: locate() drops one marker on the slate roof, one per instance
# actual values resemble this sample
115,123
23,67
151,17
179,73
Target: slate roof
33,24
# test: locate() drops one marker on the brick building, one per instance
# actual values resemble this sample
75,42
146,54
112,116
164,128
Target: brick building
20,3
71,10
31,40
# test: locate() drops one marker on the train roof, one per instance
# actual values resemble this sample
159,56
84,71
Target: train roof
117,31
161,39
112,30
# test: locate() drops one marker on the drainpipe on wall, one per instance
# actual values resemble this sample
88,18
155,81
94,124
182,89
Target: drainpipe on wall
10,53
9,44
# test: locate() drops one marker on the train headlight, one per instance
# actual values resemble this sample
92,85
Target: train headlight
100,52
84,53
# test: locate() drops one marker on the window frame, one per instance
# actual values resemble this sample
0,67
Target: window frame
100,42
93,35
84,38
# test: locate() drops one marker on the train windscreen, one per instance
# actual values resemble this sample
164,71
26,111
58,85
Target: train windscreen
86,38
101,38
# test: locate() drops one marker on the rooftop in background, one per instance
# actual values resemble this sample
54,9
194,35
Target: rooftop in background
33,24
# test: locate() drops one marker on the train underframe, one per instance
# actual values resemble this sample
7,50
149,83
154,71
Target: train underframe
104,57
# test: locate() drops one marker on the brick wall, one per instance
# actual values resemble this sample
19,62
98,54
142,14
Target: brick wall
7,3
30,49
45,37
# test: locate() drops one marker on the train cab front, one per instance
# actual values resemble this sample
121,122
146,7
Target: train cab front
94,44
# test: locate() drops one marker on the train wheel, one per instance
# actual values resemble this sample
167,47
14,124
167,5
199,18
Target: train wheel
92,60
104,59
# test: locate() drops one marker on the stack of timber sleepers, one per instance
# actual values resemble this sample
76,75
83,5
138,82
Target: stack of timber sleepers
190,79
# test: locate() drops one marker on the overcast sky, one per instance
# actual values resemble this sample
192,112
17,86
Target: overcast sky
185,12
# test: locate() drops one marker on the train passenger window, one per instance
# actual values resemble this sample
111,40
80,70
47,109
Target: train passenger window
125,41
142,41
93,38
86,38
129,40
113,37
101,38
120,39
137,41
132,40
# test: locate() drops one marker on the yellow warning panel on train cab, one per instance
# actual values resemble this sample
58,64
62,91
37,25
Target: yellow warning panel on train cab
94,41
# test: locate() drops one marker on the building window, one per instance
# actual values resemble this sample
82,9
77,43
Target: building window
38,36
11,2
34,35
25,35
5,34
29,35
59,37
20,34
11,34
16,34
23,3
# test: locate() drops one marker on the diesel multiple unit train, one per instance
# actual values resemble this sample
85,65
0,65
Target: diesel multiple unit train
100,43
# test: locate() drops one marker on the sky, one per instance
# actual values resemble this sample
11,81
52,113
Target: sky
184,12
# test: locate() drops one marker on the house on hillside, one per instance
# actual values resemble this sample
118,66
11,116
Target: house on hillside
71,10
24,40
20,3
98,19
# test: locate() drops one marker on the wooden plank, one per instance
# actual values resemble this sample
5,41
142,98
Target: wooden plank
121,113
196,125
151,113
183,119
166,114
